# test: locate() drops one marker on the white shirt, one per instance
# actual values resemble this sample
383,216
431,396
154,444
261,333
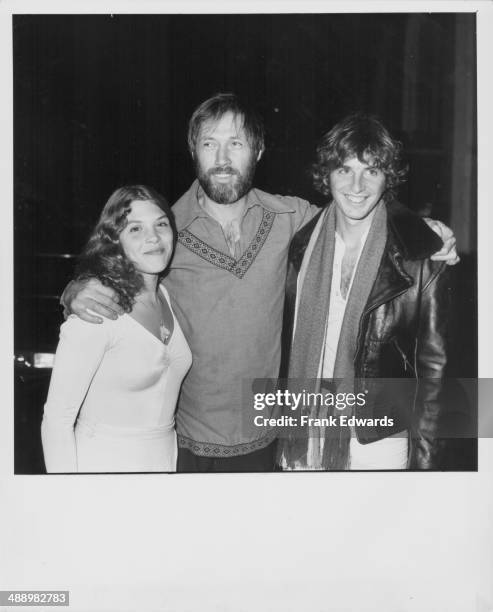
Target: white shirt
337,306
118,385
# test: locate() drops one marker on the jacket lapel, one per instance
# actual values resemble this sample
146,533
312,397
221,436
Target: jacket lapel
408,238
392,279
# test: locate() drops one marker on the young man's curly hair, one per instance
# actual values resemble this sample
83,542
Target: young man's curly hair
362,136
103,257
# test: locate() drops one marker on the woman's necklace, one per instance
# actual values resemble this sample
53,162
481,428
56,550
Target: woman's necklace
164,332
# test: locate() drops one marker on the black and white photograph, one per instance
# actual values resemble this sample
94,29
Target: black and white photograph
370,112
246,285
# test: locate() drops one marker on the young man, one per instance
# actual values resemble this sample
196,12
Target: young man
227,280
365,302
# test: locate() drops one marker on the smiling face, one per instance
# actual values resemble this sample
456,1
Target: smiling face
356,188
224,160
147,239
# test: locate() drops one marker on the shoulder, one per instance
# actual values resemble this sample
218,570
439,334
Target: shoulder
411,235
303,237
83,331
182,208
280,203
299,211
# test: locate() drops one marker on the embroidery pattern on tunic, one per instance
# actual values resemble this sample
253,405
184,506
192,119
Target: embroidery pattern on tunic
208,449
238,267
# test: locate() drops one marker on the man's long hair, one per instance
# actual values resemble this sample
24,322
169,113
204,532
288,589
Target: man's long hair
362,136
103,256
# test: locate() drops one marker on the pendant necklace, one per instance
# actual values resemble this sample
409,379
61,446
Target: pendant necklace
164,332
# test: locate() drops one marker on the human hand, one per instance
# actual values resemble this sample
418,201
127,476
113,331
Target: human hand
448,252
83,296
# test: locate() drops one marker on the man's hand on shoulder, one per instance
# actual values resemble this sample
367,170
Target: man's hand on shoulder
82,296
448,252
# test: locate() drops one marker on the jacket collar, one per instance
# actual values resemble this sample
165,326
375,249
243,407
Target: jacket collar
188,208
408,239
411,236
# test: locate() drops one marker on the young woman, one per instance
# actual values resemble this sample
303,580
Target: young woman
114,387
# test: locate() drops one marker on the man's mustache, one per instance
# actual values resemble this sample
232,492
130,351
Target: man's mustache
223,170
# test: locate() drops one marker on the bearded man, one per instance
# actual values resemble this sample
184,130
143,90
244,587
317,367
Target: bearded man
227,286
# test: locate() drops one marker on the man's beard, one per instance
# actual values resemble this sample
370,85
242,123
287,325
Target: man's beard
226,193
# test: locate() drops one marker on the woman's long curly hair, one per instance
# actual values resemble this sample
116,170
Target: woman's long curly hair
103,256
362,136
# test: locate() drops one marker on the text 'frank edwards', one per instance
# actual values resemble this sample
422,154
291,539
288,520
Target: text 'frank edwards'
303,400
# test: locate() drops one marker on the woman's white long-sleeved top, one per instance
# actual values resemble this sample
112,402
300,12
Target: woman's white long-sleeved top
112,398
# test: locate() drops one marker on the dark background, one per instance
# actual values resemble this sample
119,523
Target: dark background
103,100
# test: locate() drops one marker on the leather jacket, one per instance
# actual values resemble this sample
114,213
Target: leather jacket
402,333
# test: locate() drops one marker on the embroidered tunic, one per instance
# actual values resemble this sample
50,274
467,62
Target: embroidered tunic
230,311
